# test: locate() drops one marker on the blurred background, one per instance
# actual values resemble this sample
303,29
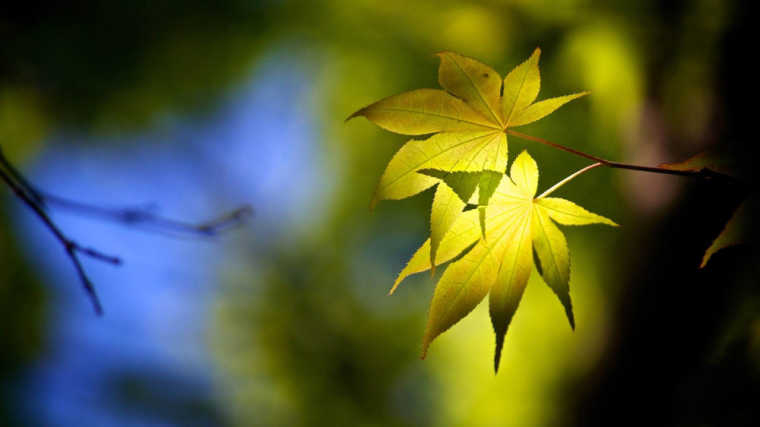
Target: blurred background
194,108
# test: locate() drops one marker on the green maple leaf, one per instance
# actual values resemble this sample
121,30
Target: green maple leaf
500,262
733,232
459,190
468,121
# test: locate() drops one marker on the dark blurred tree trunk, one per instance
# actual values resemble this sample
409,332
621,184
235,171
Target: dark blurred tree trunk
681,347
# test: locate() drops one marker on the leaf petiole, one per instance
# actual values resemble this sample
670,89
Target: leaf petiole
569,178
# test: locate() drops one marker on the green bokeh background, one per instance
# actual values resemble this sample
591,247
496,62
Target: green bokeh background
305,335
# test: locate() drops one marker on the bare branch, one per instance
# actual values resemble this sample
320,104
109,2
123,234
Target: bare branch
38,202
16,176
25,194
146,219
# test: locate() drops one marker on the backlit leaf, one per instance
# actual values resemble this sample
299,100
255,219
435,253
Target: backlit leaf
474,82
447,207
524,173
541,109
551,250
501,261
424,111
463,184
472,104
487,185
566,212
462,234
491,247
521,86
451,151
516,264
462,286
732,234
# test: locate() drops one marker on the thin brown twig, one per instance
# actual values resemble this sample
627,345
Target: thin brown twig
702,173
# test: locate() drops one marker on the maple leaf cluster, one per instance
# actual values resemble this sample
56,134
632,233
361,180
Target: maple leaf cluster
491,224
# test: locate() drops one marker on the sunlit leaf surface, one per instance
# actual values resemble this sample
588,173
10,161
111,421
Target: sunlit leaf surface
500,262
467,158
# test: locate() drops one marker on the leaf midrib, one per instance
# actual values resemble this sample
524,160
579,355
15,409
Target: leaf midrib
590,216
489,125
480,94
465,283
548,240
522,231
512,110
